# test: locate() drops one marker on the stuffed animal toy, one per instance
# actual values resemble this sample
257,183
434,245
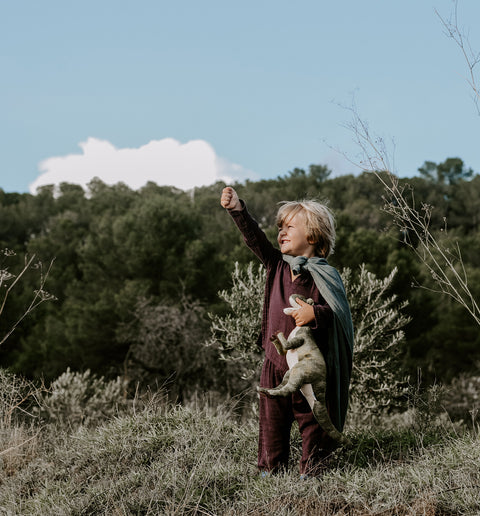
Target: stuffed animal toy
307,371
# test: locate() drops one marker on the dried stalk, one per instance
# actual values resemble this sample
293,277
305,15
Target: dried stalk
445,266
471,57
39,296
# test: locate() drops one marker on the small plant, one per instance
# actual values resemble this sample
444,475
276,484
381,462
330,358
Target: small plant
462,398
18,435
81,398
427,408
17,396
441,257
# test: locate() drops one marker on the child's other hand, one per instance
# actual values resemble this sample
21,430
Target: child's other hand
230,200
303,315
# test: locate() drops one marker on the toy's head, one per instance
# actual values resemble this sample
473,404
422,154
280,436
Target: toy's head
294,305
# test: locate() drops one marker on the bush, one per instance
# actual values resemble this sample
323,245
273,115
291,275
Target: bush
166,347
235,334
378,382
76,399
462,398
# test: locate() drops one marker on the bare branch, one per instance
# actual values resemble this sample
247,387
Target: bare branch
17,278
471,57
40,295
444,265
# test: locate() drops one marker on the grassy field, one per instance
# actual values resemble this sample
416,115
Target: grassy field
172,459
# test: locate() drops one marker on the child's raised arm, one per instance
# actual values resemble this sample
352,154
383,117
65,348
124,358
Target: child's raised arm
253,235
230,200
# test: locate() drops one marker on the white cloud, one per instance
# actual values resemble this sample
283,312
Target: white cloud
165,162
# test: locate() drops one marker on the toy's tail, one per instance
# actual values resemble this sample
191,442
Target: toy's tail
321,415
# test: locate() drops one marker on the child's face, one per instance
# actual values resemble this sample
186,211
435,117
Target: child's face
292,237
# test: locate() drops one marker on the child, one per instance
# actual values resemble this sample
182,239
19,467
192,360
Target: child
306,236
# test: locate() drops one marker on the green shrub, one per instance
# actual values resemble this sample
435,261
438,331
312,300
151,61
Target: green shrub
462,398
166,347
82,399
235,334
378,382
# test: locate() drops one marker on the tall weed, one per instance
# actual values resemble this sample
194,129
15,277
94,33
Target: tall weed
18,434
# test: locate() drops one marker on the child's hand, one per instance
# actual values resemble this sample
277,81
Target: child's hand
230,200
303,315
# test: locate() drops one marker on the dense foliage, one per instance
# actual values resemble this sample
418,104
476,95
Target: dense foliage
114,247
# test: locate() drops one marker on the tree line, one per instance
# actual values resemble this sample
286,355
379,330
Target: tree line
136,267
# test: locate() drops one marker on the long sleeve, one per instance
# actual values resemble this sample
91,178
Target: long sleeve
254,237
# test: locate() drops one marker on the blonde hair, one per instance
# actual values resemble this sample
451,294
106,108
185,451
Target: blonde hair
319,223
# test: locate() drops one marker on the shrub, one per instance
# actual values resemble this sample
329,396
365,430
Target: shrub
462,398
176,330
235,334
81,398
377,381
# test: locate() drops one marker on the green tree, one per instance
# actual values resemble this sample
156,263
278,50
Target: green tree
464,211
450,172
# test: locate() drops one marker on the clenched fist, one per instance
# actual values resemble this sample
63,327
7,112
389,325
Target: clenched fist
230,200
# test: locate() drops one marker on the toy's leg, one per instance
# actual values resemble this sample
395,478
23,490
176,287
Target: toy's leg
292,381
293,342
307,391
277,341
273,391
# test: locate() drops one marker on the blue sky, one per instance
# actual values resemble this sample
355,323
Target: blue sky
201,90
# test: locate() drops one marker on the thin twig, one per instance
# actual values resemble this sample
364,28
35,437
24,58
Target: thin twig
17,278
40,295
471,57
3,452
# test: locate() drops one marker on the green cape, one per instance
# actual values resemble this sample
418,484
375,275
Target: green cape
340,336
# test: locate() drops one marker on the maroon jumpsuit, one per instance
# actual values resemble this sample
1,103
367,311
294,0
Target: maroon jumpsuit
277,414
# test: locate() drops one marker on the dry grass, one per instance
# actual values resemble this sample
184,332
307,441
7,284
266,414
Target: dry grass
197,460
